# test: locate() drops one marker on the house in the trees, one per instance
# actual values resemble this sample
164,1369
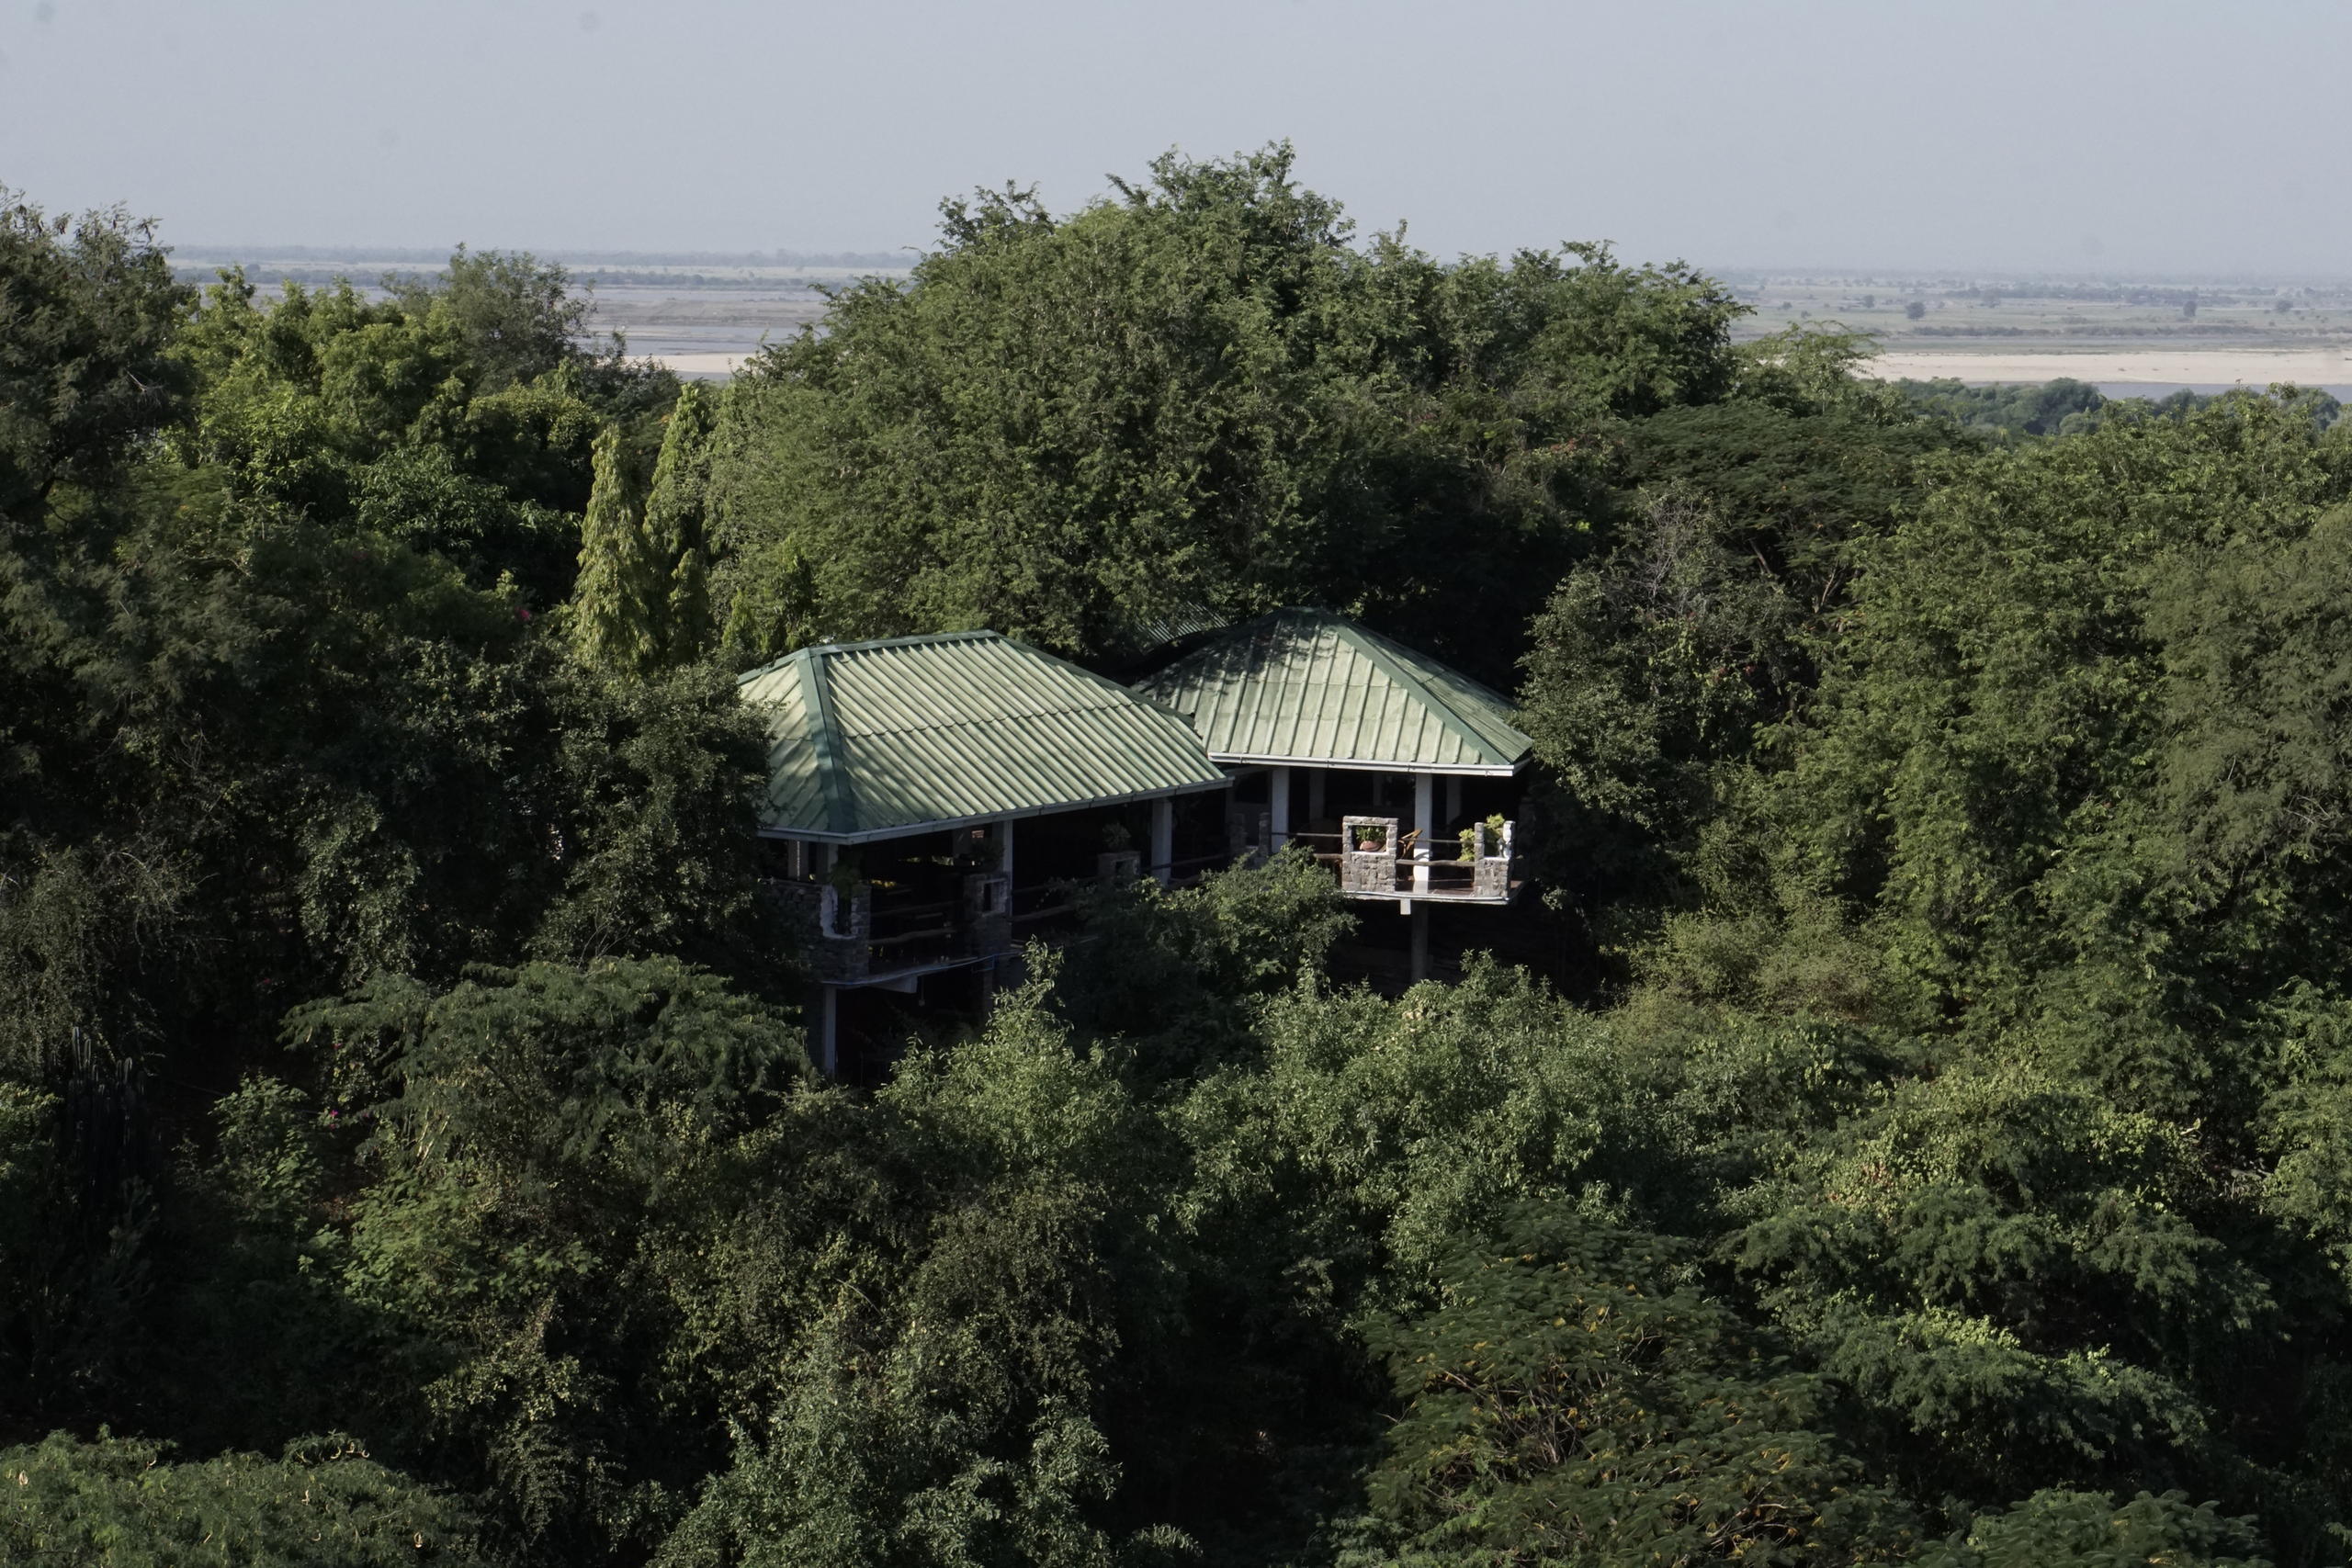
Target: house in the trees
1397,771
932,798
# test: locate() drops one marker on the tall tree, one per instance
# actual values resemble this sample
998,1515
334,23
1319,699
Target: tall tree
676,525
1199,393
621,601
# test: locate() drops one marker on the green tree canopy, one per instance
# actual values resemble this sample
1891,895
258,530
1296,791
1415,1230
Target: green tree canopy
1199,394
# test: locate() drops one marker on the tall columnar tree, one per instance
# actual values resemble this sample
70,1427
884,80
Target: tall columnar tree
675,515
621,600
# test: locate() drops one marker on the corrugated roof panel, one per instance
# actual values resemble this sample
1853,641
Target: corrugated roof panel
871,739
1301,686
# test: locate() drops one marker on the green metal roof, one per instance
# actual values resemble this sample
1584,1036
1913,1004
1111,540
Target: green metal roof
876,740
1304,686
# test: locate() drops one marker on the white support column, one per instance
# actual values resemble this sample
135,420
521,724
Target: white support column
1278,783
1425,824
1315,779
1163,839
1453,797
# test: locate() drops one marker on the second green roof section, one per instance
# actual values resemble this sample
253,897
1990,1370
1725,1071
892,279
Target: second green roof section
1308,687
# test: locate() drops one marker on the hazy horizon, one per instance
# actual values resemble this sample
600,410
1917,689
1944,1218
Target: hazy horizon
2103,140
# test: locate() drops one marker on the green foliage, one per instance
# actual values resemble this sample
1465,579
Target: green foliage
1969,1153
515,315
456,414
1179,974
621,590
2055,408
119,1503
1658,664
943,1418
2032,759
2015,1276
678,526
2078,1529
256,749
539,1146
85,372
399,775
643,600
1576,1397
1197,396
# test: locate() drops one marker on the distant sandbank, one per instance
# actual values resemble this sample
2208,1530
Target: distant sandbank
2156,367
701,367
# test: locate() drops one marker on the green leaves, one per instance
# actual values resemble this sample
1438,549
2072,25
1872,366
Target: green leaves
120,1503
88,311
2078,1529
642,600
1201,396
1574,1398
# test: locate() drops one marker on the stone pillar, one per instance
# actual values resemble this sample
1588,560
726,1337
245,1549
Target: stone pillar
1163,839
1369,869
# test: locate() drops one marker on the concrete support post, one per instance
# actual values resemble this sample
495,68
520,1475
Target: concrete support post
1005,849
827,1032
1425,826
1420,941
1278,783
1163,839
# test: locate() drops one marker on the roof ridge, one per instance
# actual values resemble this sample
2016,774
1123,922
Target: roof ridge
770,668
1370,644
827,649
816,693
910,640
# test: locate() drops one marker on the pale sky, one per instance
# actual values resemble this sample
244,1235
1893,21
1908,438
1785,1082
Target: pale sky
2151,136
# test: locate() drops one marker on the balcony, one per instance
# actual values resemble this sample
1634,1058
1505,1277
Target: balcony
1375,859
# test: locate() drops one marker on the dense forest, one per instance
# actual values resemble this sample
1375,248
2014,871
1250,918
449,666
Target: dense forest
1939,1151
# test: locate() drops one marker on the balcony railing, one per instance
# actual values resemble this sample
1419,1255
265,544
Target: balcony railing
1376,859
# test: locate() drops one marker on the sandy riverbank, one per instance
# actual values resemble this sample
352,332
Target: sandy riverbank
2169,367
701,365
2162,367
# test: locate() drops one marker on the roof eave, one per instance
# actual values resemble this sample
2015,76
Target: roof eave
949,824
1365,765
